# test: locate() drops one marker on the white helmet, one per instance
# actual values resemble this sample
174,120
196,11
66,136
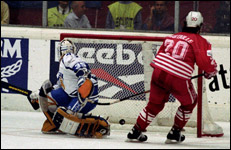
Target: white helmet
194,19
66,46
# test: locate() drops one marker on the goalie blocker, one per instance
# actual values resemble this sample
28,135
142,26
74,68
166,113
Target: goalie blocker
79,125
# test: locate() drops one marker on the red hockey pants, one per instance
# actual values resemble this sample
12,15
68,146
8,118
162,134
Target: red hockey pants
162,84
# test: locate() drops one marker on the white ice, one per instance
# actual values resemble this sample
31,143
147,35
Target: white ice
22,130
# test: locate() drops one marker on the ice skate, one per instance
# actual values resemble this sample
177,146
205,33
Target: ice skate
136,135
174,136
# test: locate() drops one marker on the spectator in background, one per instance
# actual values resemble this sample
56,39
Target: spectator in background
159,19
223,18
124,15
58,14
5,13
77,19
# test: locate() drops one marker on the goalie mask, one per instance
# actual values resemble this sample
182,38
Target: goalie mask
66,46
194,19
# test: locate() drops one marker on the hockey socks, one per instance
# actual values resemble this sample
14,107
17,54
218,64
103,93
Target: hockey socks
182,116
144,119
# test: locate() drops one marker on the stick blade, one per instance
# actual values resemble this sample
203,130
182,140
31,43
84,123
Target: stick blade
22,91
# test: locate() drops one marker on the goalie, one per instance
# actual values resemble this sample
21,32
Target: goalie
65,104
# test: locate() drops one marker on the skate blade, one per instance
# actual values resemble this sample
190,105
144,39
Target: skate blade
133,141
168,141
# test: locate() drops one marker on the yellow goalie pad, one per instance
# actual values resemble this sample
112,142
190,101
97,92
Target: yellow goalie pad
48,124
87,126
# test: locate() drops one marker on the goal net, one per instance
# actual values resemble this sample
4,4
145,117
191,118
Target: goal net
121,64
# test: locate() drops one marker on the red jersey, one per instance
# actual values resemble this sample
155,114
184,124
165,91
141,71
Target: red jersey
179,52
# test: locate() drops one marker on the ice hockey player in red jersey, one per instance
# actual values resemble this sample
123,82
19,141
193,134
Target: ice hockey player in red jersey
173,68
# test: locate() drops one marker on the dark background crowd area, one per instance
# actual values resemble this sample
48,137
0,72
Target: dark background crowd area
30,12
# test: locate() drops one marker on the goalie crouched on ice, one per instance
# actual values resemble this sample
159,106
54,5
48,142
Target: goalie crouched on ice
66,104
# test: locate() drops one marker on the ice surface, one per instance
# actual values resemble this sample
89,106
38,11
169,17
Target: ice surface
22,130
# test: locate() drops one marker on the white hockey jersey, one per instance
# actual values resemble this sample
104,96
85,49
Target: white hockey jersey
72,72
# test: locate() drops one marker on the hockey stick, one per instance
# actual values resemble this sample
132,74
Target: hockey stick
119,100
126,98
19,90
197,76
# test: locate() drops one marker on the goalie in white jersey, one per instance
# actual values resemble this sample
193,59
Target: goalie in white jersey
66,104
75,81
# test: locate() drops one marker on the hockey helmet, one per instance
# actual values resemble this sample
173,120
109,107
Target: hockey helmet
66,46
194,19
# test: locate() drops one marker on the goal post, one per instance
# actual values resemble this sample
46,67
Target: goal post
199,104
121,63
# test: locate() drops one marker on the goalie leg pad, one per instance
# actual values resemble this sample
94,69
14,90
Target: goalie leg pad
48,125
66,122
43,102
45,88
68,126
94,126
87,126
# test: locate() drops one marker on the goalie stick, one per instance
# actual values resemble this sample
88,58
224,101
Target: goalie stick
19,90
126,98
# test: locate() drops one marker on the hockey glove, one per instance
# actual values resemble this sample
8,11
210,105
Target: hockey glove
210,75
34,96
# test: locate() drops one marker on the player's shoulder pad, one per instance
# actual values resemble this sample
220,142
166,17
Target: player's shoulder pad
70,59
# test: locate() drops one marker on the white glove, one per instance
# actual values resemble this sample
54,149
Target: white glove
34,96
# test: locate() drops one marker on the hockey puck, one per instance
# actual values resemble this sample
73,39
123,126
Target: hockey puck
122,122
